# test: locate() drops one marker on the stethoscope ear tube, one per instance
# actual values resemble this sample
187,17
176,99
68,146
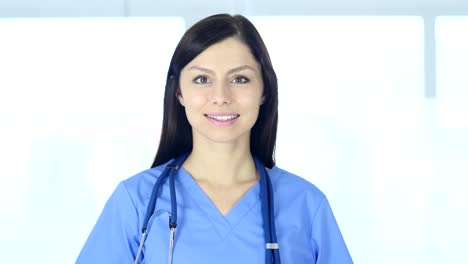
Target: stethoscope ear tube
169,171
173,217
268,215
274,240
140,247
152,202
149,212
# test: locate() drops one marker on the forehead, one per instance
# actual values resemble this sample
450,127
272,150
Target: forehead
227,53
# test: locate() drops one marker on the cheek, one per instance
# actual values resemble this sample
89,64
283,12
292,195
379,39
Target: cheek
251,98
194,100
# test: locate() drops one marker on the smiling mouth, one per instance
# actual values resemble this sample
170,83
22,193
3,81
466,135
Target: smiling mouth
222,117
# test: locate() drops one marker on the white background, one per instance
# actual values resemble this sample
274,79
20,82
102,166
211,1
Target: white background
81,109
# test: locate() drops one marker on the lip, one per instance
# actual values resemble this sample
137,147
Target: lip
222,123
222,114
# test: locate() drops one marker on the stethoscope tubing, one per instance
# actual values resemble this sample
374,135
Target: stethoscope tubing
266,197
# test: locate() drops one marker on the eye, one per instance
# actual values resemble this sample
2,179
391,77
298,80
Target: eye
202,79
241,79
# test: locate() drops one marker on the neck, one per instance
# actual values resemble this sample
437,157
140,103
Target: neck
221,164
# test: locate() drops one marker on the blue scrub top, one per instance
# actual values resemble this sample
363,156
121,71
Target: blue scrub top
306,229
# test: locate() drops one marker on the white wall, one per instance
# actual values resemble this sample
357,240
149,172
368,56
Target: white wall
196,9
80,110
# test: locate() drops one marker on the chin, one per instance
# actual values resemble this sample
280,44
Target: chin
224,137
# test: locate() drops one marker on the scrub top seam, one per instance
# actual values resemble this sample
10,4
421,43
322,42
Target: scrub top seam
233,227
230,224
138,220
131,198
188,188
313,221
274,179
210,219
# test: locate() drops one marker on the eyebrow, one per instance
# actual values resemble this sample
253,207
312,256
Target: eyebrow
236,69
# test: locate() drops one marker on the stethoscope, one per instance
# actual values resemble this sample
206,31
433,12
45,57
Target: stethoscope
266,197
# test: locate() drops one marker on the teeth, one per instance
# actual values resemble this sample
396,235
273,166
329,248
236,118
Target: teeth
223,118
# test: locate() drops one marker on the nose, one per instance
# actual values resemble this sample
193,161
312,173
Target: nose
221,94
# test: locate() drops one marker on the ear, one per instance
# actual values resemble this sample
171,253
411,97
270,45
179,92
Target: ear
180,98
262,100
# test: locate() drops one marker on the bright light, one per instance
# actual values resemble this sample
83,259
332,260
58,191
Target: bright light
80,106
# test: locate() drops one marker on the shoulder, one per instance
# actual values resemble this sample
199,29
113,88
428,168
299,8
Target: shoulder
140,185
294,194
144,178
285,181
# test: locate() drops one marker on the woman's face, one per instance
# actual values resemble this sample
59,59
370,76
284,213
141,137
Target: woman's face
221,90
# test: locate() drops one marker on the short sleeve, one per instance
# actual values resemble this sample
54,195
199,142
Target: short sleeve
115,237
327,238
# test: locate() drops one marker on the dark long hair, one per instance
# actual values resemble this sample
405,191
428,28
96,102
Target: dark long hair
176,136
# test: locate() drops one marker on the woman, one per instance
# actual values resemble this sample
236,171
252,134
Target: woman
221,198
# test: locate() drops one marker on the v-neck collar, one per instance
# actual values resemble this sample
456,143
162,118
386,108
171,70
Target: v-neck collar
223,224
